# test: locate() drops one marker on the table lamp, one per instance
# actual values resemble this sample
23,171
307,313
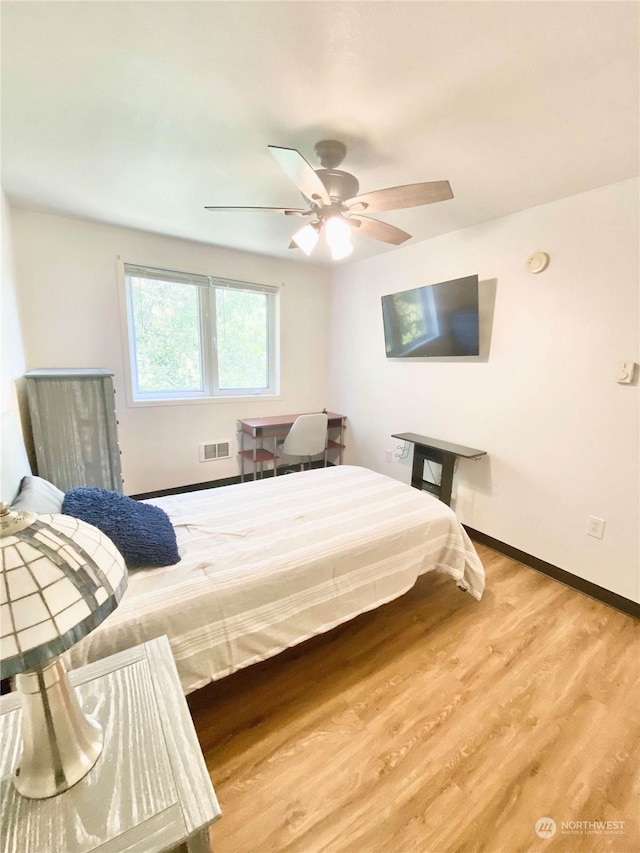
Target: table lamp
60,579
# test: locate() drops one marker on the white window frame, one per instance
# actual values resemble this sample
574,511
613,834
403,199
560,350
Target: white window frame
207,289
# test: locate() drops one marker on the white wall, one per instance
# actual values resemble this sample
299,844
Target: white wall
13,461
562,435
69,306
12,351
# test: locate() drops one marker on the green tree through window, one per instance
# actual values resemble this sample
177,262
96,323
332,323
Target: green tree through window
166,321
193,336
242,324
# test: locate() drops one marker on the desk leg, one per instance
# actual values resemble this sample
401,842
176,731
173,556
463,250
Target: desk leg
241,456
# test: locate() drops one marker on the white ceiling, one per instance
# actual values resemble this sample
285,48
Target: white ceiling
140,114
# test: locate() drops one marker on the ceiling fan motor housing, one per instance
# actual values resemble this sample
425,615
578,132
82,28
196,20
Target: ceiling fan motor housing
340,185
330,153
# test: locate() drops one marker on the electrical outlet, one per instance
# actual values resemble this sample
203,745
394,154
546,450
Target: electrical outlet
595,527
387,456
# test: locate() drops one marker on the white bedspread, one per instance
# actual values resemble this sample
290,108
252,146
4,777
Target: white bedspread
268,564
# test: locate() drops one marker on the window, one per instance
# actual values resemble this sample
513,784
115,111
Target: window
196,336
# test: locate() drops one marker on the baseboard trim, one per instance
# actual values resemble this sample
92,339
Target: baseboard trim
192,487
626,605
213,484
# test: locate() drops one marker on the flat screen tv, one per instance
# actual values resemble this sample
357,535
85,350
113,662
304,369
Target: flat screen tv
437,320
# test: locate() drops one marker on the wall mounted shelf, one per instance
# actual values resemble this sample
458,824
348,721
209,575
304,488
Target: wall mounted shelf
443,453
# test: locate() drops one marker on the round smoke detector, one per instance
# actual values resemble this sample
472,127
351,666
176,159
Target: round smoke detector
537,262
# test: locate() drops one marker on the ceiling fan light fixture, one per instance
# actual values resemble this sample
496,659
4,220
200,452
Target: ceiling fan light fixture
338,235
341,250
337,230
306,238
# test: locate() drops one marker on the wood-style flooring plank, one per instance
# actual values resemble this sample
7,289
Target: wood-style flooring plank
436,724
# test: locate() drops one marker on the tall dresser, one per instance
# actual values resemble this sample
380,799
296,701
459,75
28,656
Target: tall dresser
74,427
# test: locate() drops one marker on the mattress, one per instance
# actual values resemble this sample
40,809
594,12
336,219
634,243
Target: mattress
268,564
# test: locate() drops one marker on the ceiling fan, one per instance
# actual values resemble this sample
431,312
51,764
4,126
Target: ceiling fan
331,198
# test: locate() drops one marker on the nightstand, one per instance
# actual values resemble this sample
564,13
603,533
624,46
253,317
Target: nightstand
149,790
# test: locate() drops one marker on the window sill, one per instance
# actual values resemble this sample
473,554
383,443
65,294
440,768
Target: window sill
199,401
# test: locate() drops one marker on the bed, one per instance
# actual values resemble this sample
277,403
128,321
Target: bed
270,563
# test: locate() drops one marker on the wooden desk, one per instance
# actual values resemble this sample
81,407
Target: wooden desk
275,428
442,452
149,790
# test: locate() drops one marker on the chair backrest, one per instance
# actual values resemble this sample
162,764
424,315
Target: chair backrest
307,436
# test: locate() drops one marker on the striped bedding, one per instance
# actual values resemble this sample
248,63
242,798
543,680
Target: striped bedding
268,564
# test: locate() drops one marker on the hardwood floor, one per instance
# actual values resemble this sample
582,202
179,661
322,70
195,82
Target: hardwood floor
436,724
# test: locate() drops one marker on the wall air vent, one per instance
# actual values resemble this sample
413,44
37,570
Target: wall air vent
215,450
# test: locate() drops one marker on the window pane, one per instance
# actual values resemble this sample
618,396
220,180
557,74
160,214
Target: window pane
166,327
417,316
242,320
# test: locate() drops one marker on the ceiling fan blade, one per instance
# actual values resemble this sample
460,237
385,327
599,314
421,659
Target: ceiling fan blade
379,230
301,173
397,198
288,211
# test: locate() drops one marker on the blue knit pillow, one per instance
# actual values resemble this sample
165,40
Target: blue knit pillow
141,532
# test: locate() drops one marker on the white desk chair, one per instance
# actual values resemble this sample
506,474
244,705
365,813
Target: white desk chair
307,437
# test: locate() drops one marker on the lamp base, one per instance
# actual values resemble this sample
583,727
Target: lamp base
60,743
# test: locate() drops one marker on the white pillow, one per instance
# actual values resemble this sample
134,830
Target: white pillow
38,495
